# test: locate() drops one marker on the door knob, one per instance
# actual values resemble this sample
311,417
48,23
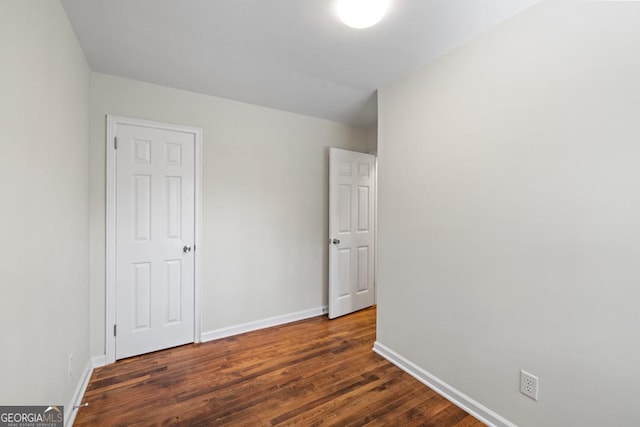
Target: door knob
336,241
186,249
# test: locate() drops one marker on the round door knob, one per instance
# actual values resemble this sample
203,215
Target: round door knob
186,249
336,241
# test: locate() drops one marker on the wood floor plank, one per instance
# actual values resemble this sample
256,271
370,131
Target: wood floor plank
316,372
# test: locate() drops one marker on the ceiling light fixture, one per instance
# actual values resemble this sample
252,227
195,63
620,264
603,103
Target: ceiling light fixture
361,13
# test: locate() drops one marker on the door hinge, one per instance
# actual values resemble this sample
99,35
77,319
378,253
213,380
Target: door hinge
115,143
114,330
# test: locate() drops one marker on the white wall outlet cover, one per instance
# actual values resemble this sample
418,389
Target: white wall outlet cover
529,385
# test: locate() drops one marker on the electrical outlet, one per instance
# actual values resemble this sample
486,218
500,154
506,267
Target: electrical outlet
70,364
529,385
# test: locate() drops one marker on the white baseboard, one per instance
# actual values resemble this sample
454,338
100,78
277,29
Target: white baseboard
261,324
78,394
453,395
99,361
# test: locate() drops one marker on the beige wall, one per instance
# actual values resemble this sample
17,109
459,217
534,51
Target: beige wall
264,200
44,171
509,215
372,139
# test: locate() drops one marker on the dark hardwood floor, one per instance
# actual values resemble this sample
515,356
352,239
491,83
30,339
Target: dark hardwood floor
309,373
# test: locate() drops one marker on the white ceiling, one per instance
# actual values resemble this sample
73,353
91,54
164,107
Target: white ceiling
292,55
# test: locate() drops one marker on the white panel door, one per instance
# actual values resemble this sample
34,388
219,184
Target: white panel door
351,231
155,231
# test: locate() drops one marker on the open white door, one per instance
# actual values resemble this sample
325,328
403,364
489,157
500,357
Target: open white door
154,238
351,231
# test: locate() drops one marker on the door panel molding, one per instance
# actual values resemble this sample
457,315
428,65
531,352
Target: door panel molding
110,237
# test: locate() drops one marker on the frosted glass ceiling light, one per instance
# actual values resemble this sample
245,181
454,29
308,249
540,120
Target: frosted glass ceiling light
361,13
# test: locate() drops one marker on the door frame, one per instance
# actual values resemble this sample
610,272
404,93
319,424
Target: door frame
110,236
